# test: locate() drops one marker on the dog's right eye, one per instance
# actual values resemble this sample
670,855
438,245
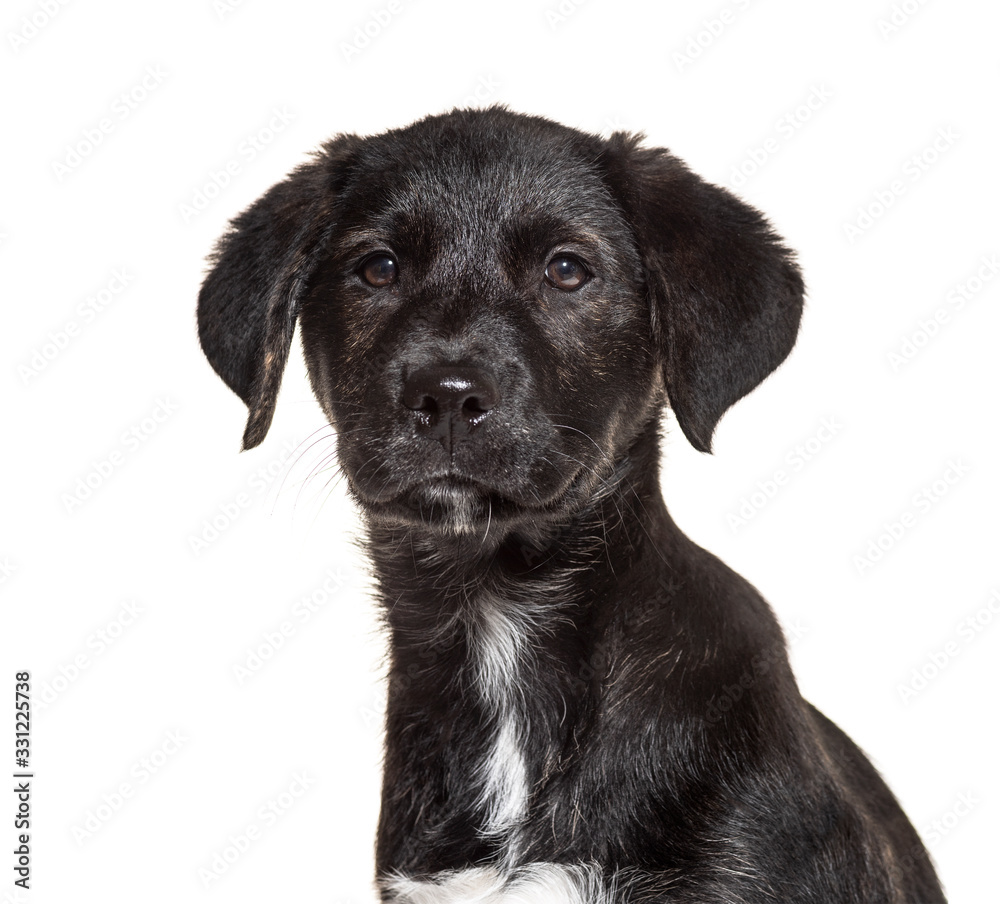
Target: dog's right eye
379,270
566,273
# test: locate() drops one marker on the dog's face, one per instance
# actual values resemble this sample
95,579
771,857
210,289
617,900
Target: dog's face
478,331
493,308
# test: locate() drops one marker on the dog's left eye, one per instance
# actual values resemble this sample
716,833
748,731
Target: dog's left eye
566,273
379,270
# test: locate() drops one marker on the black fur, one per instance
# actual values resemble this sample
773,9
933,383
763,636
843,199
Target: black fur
662,732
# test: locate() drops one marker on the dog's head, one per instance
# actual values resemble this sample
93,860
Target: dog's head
494,307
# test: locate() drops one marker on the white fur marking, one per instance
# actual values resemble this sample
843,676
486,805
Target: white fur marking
536,883
506,791
470,886
499,642
499,645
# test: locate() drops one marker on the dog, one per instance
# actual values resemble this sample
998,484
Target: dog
495,309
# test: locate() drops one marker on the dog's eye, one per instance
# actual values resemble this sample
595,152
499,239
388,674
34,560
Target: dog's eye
379,270
566,273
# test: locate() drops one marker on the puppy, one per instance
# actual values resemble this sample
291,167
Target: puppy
494,310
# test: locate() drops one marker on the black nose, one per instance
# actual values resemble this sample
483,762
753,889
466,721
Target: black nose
450,401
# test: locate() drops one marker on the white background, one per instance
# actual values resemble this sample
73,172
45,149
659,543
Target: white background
720,84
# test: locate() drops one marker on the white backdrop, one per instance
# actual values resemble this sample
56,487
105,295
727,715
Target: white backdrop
204,656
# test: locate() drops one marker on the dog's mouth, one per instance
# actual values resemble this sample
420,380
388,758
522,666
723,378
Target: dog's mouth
459,505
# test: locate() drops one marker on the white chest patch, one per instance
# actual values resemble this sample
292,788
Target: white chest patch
505,784
499,645
536,883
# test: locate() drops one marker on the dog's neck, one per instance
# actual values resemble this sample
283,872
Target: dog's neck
500,650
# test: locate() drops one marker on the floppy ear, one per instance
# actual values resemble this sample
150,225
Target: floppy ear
726,295
249,301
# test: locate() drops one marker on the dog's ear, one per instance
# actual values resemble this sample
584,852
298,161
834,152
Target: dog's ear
726,295
249,300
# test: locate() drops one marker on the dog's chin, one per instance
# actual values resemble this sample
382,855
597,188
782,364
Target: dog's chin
458,506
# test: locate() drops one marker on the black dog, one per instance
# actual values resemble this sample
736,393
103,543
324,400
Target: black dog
494,311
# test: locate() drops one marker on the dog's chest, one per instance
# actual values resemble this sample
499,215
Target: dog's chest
502,658
521,650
